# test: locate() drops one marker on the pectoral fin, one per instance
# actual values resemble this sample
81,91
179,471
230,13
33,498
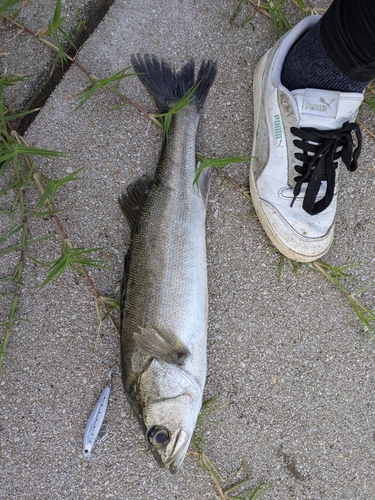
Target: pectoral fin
162,345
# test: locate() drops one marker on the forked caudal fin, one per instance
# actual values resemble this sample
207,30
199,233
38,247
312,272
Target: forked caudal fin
167,86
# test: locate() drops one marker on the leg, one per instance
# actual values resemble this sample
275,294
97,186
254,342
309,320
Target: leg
338,53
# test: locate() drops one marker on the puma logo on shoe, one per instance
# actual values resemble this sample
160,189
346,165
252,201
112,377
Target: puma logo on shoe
325,102
320,103
323,108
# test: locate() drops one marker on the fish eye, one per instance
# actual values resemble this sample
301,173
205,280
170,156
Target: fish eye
158,436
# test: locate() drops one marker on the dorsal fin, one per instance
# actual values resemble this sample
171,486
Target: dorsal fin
132,200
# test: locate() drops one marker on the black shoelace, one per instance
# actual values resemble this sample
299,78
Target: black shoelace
326,147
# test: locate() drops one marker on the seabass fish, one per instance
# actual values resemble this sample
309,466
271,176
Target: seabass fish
164,292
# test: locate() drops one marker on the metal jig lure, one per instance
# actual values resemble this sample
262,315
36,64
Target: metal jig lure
96,420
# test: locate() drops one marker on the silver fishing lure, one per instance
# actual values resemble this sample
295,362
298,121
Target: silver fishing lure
96,420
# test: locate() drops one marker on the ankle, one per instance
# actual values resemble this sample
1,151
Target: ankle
308,65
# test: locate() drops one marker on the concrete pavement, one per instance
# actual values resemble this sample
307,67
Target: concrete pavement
288,356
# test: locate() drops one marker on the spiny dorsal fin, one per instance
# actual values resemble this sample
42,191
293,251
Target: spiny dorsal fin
132,200
162,345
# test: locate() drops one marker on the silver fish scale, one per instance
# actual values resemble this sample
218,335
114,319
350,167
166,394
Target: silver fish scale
167,280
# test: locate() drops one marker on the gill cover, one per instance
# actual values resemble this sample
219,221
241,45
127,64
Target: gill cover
171,403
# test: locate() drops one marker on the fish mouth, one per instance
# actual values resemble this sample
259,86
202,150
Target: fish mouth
176,459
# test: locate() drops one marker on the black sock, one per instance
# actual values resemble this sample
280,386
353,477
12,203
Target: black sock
308,65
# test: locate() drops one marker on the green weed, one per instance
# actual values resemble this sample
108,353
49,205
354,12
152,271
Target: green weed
51,186
14,155
54,29
227,489
339,277
220,164
166,118
273,9
111,303
6,8
71,257
15,158
344,281
369,97
302,6
112,83
296,266
237,12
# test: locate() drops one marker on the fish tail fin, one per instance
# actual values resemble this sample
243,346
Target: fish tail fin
167,86
205,79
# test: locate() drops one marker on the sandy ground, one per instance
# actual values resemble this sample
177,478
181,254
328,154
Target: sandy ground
289,357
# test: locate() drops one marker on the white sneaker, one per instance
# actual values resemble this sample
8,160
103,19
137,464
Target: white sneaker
309,129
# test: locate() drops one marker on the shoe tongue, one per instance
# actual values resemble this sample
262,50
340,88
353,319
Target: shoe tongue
326,109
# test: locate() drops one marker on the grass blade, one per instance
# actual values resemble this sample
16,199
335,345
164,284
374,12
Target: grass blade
236,11
259,490
43,238
97,84
5,7
21,115
166,118
42,214
218,163
280,267
8,188
53,185
10,232
11,249
12,150
71,257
